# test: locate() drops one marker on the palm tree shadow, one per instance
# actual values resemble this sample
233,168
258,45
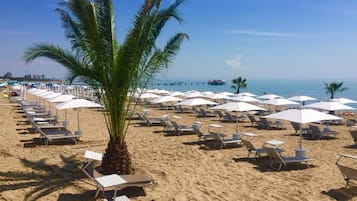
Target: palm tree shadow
43,179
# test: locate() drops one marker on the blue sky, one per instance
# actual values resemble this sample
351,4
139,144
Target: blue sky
275,39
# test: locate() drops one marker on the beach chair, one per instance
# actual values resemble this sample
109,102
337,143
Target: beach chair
56,133
166,123
347,172
221,115
151,121
116,182
353,134
266,124
297,127
221,142
281,161
251,148
253,120
206,113
181,129
317,132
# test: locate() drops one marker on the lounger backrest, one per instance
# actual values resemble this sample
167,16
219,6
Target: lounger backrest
354,135
347,172
295,125
220,114
315,129
217,137
248,144
174,124
252,118
274,154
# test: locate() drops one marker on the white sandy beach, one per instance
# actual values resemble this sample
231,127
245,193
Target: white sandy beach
182,169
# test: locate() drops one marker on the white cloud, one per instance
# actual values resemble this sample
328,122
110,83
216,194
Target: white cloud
234,62
273,34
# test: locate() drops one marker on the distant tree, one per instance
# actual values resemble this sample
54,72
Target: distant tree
239,83
333,87
8,75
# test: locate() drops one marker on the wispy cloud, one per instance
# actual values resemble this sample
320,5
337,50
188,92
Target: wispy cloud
16,32
234,62
273,34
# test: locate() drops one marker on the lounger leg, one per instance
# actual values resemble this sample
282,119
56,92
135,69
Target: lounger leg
347,182
96,193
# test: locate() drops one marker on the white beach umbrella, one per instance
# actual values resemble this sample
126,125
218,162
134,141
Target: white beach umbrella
148,96
162,92
302,116
246,94
244,99
279,102
165,99
77,104
52,95
177,93
195,95
269,96
237,107
329,105
217,96
208,93
227,93
301,98
196,102
343,100
33,90
61,98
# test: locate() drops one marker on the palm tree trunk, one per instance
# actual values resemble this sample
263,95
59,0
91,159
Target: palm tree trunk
116,159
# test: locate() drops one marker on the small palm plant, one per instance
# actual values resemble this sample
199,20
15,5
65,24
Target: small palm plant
334,87
114,69
239,83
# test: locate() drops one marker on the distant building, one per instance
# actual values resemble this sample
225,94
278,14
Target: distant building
8,75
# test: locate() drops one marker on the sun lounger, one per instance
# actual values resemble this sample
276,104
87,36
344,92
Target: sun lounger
204,113
221,141
252,149
181,129
120,181
317,132
281,161
266,124
57,133
353,134
151,121
348,173
119,198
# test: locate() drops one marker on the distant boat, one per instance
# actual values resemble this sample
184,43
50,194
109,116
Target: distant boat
216,82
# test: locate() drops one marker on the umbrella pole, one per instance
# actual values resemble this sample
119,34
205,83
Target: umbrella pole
300,137
78,120
236,123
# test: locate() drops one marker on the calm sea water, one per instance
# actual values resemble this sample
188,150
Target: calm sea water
285,88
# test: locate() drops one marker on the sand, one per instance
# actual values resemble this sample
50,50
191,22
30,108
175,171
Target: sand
182,169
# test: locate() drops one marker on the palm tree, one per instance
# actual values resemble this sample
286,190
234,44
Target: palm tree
114,69
334,87
239,83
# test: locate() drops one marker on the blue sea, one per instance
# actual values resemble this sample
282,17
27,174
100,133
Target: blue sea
285,88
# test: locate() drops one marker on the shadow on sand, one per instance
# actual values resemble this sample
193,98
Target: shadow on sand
342,194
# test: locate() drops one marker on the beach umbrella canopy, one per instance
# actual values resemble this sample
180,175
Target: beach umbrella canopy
194,95
237,107
77,104
227,93
302,116
269,96
244,99
177,93
52,95
61,98
301,98
165,99
148,95
343,100
217,96
329,105
196,102
280,101
246,94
